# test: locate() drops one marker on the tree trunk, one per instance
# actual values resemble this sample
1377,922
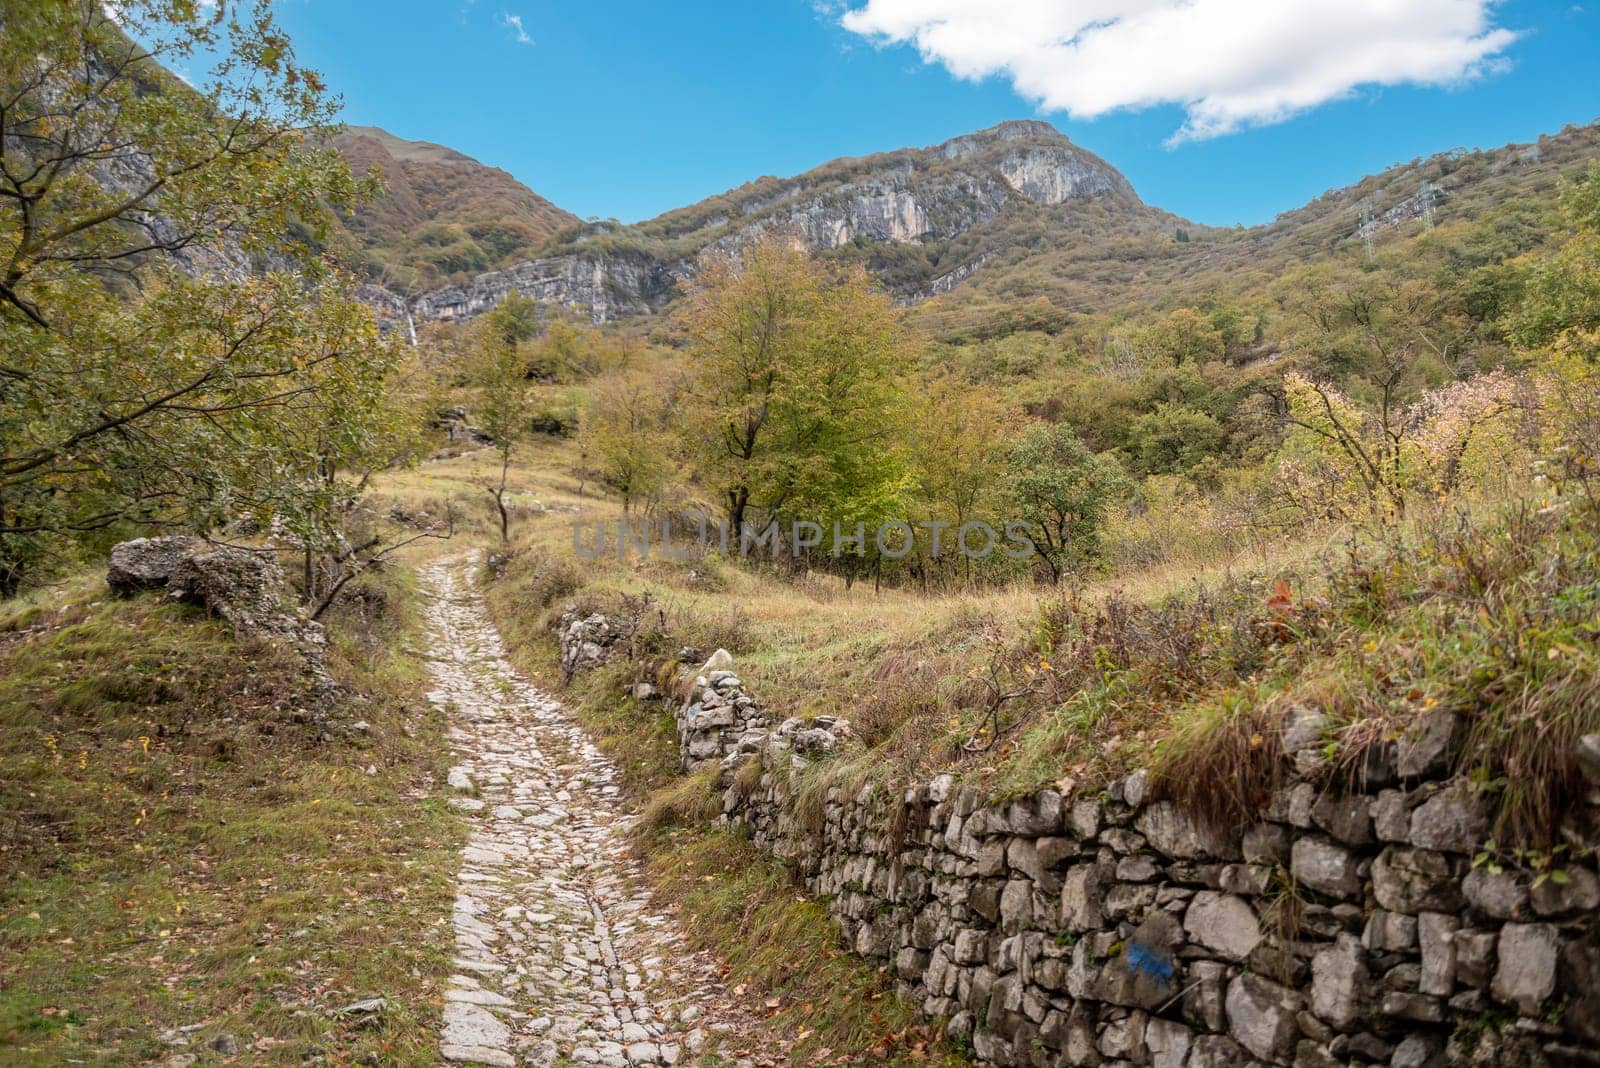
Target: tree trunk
505,517
738,499
10,569
500,499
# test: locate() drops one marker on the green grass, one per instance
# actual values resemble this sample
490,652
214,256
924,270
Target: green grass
181,846
640,737
828,1006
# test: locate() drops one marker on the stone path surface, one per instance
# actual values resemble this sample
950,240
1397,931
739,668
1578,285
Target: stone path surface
560,957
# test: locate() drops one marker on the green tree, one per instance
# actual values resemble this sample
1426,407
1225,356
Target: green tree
959,446
796,404
572,351
1378,345
1558,317
1174,438
1561,290
1232,323
1184,336
500,381
1062,492
624,432
1381,334
139,387
331,453
559,354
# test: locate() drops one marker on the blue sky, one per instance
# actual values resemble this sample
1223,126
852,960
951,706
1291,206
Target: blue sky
627,108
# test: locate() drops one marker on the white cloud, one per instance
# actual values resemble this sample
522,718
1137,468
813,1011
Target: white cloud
514,24
1229,63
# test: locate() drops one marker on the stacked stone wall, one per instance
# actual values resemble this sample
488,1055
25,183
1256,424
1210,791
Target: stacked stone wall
718,718
1374,927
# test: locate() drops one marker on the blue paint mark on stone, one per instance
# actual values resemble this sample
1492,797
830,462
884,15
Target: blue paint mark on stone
1152,962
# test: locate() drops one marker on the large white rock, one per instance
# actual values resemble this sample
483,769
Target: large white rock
1527,973
1224,924
146,563
1338,982
474,1035
1175,833
1325,867
1261,1017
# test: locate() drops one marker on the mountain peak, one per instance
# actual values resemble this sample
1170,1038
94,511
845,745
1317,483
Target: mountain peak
1012,132
443,216
400,149
1018,129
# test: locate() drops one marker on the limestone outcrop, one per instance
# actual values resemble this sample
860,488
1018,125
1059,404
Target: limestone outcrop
242,586
146,563
458,428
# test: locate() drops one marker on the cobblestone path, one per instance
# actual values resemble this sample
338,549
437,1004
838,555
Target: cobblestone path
560,958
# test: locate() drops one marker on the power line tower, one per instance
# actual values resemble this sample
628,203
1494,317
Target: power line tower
1368,225
1430,194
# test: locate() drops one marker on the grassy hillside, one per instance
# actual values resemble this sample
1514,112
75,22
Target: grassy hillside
188,865
1484,616
1490,203
442,215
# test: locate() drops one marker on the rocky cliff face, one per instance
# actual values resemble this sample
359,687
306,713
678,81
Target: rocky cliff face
606,286
916,196
1050,177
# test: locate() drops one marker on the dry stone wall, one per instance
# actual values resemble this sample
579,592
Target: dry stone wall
1365,928
718,718
587,641
1111,930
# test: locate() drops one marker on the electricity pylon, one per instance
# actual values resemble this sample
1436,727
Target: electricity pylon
1431,193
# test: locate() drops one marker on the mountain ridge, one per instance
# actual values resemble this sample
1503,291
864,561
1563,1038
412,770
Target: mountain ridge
971,211
917,207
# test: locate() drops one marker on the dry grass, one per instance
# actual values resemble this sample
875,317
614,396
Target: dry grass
1184,670
808,647
1223,761
1176,668
687,803
1489,620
